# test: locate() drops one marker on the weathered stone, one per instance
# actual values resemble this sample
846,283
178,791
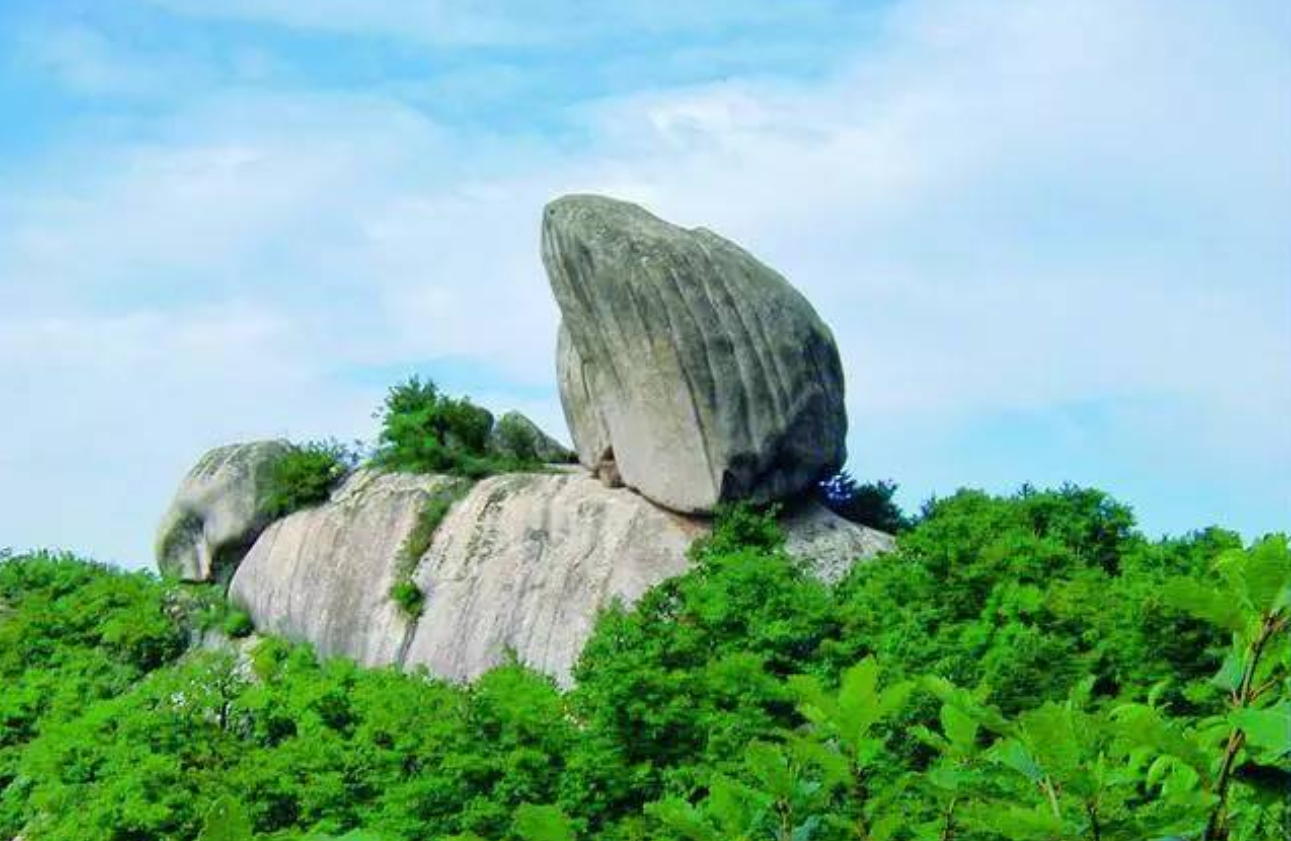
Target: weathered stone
525,562
695,372
516,436
828,543
522,563
323,575
217,512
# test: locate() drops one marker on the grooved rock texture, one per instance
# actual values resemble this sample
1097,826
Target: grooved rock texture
323,575
217,512
687,369
525,562
522,563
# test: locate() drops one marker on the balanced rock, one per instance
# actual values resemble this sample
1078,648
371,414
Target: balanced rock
516,436
688,370
218,511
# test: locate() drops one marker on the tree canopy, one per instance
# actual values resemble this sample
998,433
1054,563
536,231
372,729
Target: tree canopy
1020,667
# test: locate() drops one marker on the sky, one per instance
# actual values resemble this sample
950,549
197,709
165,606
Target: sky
1052,239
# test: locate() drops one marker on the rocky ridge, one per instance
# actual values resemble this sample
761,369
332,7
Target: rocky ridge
689,372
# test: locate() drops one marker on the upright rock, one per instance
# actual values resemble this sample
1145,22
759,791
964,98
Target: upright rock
218,511
688,370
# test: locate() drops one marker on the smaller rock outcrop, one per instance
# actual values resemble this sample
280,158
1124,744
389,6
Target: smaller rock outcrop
688,370
515,436
218,511
323,575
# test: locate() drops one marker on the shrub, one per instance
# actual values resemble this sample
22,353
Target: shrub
404,592
305,476
424,431
517,438
237,623
409,597
870,504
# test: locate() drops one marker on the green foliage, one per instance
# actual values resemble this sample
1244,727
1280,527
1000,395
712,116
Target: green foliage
515,436
237,623
305,476
542,823
1028,668
870,504
226,821
72,633
409,597
425,431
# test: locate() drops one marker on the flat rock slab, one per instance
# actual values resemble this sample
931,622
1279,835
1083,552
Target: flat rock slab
523,563
323,575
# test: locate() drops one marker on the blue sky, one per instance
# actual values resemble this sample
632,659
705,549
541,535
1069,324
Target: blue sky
1053,239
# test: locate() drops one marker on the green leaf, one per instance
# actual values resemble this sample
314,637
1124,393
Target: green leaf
683,818
1266,574
1013,754
1268,729
886,827
771,769
542,823
227,820
984,714
1218,607
1142,725
1015,822
960,728
1229,676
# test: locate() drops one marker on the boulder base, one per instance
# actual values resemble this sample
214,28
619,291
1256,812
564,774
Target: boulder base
323,575
523,563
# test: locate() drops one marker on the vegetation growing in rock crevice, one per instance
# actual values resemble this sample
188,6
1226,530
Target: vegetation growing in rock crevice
1027,667
305,476
404,591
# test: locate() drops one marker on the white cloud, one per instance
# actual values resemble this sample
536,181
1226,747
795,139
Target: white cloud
1001,209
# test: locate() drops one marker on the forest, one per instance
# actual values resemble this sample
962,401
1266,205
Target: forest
1026,667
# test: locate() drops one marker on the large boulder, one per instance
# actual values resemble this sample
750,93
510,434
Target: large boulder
323,575
218,511
522,563
516,436
688,370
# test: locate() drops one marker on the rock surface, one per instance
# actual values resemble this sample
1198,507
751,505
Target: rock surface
525,562
687,369
522,563
516,436
217,512
323,575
